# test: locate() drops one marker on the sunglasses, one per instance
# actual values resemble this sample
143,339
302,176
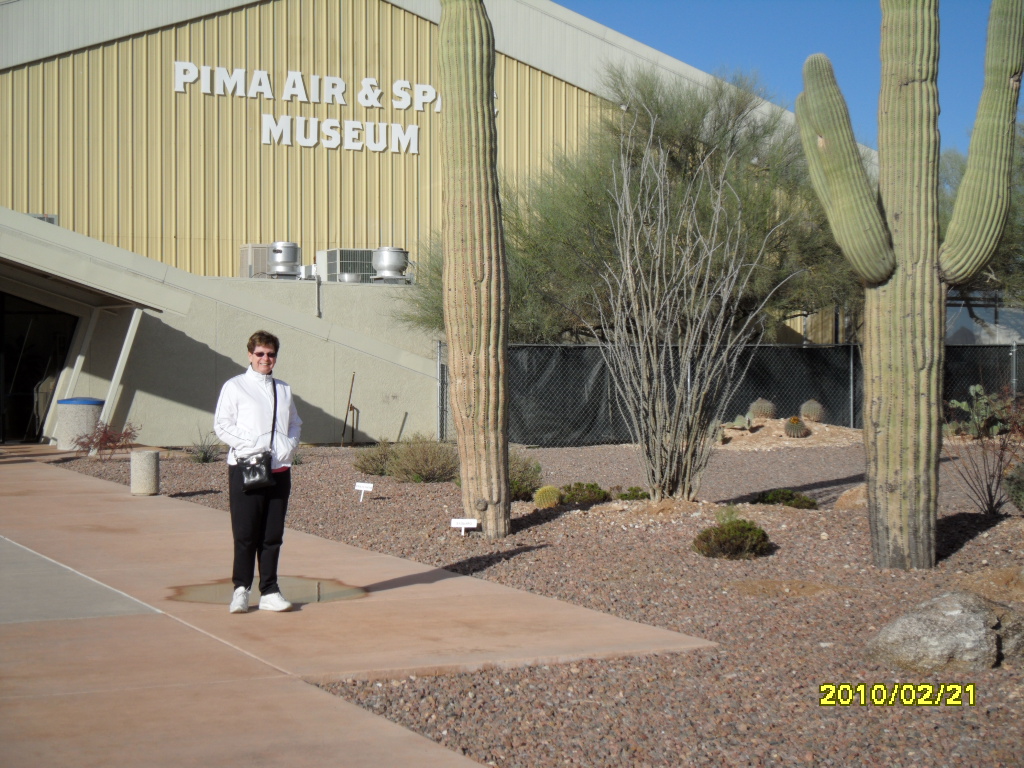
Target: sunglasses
271,355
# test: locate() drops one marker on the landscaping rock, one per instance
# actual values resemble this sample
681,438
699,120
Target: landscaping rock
956,631
855,498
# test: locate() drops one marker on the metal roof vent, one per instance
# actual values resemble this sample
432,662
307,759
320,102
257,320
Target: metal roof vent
390,263
278,260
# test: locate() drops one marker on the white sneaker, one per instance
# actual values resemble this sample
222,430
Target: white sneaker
239,600
274,602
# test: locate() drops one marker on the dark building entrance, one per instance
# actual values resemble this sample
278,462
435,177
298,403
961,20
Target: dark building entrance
35,344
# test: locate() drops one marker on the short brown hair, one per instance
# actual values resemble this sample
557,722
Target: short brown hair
263,339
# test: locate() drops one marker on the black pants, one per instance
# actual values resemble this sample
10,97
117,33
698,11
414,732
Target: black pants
257,523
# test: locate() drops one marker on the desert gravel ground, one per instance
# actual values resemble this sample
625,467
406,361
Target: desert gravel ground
785,624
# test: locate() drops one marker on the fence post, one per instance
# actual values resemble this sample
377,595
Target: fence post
851,347
440,396
1013,367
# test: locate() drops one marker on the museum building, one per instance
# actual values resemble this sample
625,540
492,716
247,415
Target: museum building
175,176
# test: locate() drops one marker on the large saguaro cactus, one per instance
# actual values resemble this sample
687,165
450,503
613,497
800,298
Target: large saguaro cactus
891,236
475,273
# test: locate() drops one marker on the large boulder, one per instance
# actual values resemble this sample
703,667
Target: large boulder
954,632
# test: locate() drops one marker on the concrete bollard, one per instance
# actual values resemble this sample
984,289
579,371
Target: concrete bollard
145,473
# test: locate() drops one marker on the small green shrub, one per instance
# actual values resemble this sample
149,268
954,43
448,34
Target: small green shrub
952,429
726,514
205,450
524,475
986,414
786,497
297,457
795,427
633,493
375,459
584,493
422,459
740,422
546,497
735,539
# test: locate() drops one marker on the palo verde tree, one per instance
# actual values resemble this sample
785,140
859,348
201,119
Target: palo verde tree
890,234
1003,276
559,224
475,274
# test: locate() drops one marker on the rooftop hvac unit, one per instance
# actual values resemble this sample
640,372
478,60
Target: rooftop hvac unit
362,265
345,265
278,260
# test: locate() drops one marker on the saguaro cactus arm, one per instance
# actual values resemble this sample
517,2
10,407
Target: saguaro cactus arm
838,175
984,195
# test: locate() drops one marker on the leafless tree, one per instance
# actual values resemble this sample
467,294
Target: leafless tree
678,314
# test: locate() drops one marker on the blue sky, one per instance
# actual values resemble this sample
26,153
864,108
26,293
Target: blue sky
774,37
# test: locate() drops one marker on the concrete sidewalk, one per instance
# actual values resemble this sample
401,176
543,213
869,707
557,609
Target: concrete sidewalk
101,665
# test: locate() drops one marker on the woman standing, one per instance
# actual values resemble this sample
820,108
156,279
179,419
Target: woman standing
244,421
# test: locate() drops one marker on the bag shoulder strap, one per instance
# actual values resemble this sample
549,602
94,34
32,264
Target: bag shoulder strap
273,414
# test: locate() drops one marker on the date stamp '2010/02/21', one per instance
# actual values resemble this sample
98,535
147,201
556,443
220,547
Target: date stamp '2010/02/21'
893,694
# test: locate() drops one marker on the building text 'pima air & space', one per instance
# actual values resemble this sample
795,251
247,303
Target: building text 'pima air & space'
331,133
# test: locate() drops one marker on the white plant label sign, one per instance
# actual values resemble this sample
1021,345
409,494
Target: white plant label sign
464,523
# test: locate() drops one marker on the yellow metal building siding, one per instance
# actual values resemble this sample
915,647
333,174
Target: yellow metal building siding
830,326
100,137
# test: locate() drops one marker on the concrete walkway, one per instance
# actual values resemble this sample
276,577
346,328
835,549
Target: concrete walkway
100,665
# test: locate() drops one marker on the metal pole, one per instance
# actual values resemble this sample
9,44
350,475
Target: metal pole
348,409
852,348
1013,367
440,394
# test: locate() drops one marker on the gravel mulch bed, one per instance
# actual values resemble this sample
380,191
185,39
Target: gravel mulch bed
785,624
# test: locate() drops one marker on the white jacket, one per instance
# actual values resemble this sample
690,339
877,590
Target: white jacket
242,418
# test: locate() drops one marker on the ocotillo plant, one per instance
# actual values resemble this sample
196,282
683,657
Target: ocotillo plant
891,236
475,273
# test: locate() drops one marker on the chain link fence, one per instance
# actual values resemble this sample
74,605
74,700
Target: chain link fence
563,395
996,367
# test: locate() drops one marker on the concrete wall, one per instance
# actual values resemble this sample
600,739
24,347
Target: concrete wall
192,336
179,362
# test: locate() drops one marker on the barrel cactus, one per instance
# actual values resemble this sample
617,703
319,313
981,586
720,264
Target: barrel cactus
762,409
546,497
795,427
889,232
812,410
